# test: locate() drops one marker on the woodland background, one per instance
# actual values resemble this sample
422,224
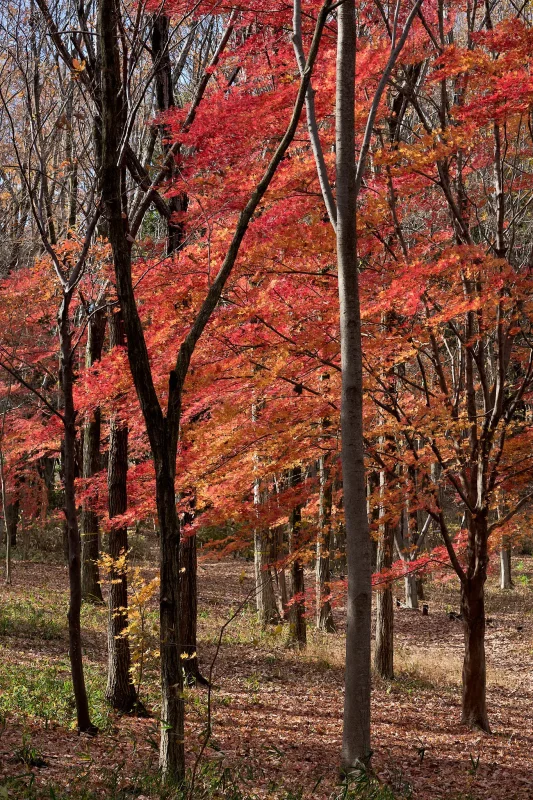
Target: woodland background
266,367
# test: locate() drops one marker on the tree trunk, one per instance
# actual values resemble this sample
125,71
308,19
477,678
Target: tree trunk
474,704
11,522
506,581
297,621
384,647
411,589
164,94
324,614
172,750
120,691
5,514
267,610
90,576
74,559
46,467
281,577
356,727
189,609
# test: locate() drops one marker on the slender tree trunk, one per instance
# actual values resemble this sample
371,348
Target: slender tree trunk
297,621
474,703
281,577
11,522
90,576
324,614
356,726
74,561
5,514
411,589
506,581
172,750
189,609
384,647
46,467
120,691
165,100
267,610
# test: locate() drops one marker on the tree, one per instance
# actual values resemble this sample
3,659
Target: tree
163,427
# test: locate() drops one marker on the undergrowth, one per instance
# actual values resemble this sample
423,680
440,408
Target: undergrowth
44,692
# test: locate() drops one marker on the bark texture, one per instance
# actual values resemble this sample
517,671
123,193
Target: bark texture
474,695
297,621
384,646
506,580
73,536
356,724
267,610
90,546
324,614
474,703
120,690
12,520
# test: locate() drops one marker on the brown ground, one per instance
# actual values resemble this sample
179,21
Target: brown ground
278,713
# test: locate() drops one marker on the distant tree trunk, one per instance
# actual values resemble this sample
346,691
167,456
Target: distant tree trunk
356,724
165,100
297,620
90,576
411,526
64,540
5,514
506,581
120,691
280,572
411,590
46,467
265,599
338,567
267,610
324,614
189,609
384,647
12,519
277,571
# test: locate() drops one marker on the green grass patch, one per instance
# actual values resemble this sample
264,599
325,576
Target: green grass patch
44,692
26,619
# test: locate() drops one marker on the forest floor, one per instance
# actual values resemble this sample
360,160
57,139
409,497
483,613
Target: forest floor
277,713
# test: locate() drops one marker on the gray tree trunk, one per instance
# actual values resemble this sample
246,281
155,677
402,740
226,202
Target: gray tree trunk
506,580
356,726
267,610
324,614
411,590
384,646
297,621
